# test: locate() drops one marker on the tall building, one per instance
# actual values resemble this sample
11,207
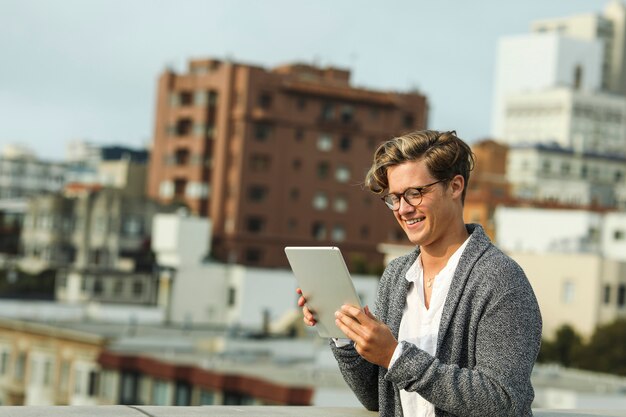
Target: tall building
277,157
565,83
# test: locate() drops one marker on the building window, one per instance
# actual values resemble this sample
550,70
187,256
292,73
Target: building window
292,224
185,98
262,131
607,294
179,187
339,233
294,194
5,357
118,287
255,224
166,189
320,200
160,394
408,120
345,143
183,127
347,113
546,167
364,232
235,398
618,235
621,295
260,162
20,367
232,296
328,111
342,173
253,255
181,157
318,230
340,204
64,376
569,292
325,142
583,171
182,396
296,164
207,397
137,288
299,134
265,100
323,169
301,103
257,193
132,226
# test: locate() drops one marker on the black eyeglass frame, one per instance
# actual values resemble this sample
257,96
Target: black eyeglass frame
418,190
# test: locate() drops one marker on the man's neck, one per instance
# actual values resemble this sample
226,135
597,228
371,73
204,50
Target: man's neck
435,257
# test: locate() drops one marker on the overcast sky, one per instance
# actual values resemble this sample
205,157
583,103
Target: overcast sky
87,69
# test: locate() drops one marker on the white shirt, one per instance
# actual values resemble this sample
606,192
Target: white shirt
420,326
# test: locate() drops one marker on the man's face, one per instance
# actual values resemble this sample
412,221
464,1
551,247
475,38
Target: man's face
427,223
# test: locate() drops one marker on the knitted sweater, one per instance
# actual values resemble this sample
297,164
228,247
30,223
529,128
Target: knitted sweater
488,341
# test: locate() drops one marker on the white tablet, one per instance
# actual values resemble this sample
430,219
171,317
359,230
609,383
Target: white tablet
325,282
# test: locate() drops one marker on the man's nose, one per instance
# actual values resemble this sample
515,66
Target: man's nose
405,207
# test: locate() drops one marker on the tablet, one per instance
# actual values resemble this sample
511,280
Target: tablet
325,282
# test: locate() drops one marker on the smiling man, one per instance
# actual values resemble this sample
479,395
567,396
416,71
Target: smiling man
456,328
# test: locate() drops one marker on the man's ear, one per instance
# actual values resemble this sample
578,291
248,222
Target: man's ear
457,184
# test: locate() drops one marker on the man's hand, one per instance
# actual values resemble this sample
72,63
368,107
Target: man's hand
308,319
372,338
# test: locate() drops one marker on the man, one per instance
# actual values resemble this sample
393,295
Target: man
456,328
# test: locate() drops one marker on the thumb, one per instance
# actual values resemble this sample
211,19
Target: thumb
369,313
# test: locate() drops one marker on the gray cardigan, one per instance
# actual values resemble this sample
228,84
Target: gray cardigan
489,338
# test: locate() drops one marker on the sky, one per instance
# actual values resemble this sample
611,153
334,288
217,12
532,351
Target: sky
87,69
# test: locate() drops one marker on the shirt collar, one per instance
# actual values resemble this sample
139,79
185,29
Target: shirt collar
415,270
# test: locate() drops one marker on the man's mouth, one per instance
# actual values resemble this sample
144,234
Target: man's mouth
416,220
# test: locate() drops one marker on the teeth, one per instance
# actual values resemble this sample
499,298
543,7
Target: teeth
413,221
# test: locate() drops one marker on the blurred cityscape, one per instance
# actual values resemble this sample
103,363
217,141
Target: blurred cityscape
157,276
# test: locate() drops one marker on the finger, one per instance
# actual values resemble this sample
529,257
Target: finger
355,313
301,301
346,329
369,313
299,291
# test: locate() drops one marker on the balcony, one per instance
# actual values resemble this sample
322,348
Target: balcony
257,411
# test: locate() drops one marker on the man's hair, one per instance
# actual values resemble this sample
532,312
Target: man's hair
444,154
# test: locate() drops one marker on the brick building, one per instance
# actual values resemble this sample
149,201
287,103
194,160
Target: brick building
277,157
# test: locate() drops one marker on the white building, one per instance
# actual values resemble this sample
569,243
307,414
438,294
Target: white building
535,62
225,294
23,175
548,172
575,119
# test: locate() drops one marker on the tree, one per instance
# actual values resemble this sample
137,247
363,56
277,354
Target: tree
606,351
565,349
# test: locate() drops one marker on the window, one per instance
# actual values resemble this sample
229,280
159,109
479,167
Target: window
265,100
20,367
292,224
347,113
301,103
408,120
183,127
325,142
185,98
5,357
137,288
257,193
296,164
179,187
166,189
323,169
607,294
92,387
320,200
340,204
207,397
299,134
294,194
183,394
253,255
132,226
118,287
342,173
339,233
618,234
255,224
546,166
345,143
260,162
160,394
621,295
64,376
364,232
262,131
235,398
232,296
328,111
181,157
318,231
568,293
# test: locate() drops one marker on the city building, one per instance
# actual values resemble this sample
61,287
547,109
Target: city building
488,186
276,157
550,173
23,175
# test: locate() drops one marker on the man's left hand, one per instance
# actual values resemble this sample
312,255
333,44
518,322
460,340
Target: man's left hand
372,338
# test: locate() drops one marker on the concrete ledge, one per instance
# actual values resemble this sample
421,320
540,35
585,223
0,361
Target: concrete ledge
260,411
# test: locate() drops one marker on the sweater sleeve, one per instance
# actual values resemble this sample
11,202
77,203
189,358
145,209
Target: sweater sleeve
507,343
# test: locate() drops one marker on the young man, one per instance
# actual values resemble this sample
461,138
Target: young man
456,328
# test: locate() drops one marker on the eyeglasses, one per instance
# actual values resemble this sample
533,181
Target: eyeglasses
413,196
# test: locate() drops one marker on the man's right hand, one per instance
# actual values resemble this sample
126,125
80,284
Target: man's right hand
308,319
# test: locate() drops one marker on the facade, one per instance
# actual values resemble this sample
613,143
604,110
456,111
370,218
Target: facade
573,119
276,157
534,62
550,173
608,27
488,186
22,175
